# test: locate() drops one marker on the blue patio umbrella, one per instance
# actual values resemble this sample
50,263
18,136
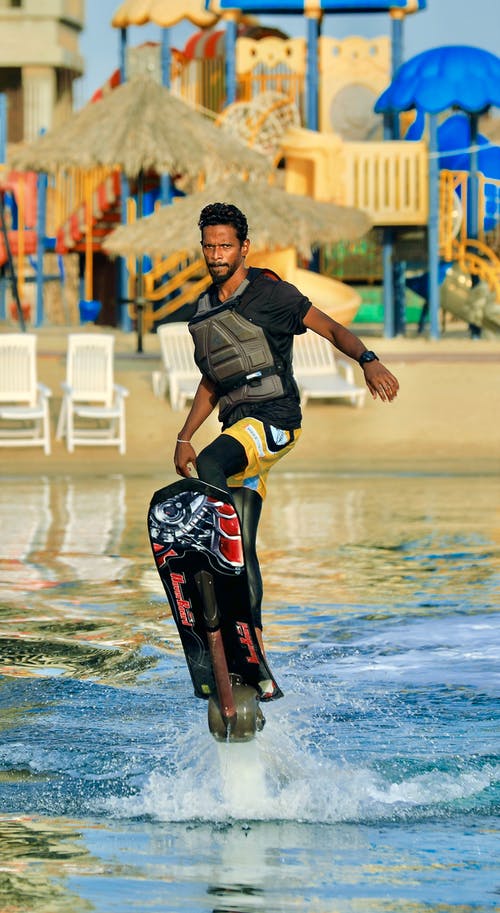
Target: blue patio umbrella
456,77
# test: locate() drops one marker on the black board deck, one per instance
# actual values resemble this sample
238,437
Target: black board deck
194,527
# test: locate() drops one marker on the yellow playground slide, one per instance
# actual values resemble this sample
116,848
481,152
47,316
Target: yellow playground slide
335,298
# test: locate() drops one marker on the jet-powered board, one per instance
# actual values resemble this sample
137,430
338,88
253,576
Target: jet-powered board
196,539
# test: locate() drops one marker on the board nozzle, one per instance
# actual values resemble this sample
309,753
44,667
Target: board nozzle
248,718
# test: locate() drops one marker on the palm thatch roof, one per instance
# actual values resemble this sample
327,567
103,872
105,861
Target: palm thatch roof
277,219
141,127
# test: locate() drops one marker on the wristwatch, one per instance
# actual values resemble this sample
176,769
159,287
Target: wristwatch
367,356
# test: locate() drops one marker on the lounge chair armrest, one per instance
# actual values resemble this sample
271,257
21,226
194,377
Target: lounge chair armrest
120,391
347,369
44,390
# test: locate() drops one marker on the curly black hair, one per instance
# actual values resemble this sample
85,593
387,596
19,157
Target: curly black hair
224,214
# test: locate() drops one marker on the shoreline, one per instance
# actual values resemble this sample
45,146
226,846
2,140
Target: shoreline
444,420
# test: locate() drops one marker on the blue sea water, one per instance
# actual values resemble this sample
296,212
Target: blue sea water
374,787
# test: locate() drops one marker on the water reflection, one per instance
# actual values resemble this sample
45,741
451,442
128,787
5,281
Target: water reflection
80,594
378,770
25,521
59,866
382,542
93,527
66,537
37,858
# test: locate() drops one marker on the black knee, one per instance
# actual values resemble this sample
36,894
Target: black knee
222,458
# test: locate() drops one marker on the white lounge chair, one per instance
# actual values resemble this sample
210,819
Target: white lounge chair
93,407
24,407
180,376
320,374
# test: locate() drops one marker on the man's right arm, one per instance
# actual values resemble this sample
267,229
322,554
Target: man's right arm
205,401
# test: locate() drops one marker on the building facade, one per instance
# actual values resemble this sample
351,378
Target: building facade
39,61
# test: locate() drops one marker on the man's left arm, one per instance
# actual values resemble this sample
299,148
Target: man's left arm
379,380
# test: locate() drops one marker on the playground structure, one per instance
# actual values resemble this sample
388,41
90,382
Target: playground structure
343,160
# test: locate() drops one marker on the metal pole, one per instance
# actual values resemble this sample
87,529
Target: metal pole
388,273
40,245
166,64
398,278
433,229
312,74
140,301
123,55
166,56
124,316
125,320
473,207
231,35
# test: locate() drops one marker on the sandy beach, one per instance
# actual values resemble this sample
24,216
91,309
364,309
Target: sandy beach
444,420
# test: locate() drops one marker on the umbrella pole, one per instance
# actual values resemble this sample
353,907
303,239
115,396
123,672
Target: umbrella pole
140,301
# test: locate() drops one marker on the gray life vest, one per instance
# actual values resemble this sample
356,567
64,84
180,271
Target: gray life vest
234,354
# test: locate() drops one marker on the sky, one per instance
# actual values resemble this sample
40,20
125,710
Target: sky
472,22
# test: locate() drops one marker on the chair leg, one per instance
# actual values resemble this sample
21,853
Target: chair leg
70,434
46,430
121,426
61,422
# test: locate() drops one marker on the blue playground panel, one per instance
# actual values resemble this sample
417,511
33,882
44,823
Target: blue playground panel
327,6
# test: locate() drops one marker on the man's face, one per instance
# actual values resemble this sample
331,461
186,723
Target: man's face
223,252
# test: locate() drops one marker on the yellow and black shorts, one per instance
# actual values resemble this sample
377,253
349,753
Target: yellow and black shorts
264,446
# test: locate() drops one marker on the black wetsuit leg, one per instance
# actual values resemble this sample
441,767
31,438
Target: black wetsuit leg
218,461
248,505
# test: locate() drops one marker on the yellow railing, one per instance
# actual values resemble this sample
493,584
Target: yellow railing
388,180
72,187
489,206
478,259
452,211
474,255
179,275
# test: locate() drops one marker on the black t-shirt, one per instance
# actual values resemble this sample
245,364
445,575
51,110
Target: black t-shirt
279,308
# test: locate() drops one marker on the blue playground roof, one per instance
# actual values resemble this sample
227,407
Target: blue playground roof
327,6
450,76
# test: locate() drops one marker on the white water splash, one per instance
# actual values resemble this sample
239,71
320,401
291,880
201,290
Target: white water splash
275,778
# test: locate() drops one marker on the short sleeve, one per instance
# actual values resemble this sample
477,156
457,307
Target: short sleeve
287,309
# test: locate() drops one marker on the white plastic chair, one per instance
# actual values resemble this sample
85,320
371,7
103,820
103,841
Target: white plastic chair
93,407
320,374
180,375
24,406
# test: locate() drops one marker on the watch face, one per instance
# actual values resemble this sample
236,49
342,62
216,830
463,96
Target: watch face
367,356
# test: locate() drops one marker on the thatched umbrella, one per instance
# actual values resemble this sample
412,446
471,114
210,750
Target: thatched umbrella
277,219
141,127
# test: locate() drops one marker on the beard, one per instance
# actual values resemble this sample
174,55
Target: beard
221,272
